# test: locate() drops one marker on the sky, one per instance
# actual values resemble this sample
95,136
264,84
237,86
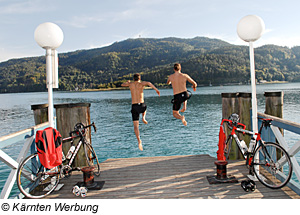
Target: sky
97,23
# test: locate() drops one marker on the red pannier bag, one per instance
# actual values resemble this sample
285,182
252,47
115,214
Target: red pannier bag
49,147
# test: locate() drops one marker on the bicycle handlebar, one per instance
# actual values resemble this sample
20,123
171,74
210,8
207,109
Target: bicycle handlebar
266,123
231,123
81,129
94,126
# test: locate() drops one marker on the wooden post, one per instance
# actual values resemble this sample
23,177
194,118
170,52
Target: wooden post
274,107
68,115
239,103
230,106
40,113
245,116
274,103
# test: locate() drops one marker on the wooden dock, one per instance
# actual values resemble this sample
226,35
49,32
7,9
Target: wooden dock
180,177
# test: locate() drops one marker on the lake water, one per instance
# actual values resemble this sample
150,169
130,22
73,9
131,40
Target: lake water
163,136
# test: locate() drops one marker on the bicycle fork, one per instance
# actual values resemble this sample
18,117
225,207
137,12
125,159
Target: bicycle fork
228,146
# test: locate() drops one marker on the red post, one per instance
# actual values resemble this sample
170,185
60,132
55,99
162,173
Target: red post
221,145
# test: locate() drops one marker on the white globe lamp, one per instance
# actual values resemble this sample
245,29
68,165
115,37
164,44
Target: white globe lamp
250,28
49,36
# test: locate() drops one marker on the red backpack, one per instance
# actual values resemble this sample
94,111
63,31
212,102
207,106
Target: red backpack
49,147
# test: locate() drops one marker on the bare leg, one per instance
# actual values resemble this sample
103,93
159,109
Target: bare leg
144,117
178,116
137,134
184,106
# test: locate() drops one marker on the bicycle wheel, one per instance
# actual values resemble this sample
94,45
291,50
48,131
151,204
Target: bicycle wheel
91,157
272,165
35,181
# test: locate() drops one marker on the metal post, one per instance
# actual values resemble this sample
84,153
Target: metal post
254,101
253,88
50,86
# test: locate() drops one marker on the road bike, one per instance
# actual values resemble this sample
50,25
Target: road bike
35,181
269,161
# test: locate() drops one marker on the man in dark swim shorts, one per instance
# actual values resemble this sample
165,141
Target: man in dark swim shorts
137,109
178,81
179,99
138,106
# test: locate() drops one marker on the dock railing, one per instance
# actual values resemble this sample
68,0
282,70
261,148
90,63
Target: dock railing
27,135
274,133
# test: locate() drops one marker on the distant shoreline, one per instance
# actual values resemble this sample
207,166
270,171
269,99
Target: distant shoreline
160,87
169,87
274,82
104,89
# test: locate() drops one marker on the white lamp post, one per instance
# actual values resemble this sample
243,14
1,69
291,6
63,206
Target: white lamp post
250,28
49,36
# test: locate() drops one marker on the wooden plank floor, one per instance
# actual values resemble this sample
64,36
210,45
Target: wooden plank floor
167,178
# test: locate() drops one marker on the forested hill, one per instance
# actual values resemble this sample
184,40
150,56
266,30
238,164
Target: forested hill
205,60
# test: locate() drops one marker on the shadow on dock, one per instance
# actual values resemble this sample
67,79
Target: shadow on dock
169,177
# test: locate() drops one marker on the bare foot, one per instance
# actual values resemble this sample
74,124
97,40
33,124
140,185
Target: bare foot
145,121
183,121
182,110
140,145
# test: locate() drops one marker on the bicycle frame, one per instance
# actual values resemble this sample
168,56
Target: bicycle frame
258,141
76,149
269,161
32,174
78,134
243,130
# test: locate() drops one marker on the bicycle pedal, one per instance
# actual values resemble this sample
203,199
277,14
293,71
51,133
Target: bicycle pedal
252,185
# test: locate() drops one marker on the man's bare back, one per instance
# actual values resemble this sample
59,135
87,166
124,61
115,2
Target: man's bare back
178,81
137,91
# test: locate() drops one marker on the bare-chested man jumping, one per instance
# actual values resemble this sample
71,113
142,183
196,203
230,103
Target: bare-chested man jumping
138,105
178,81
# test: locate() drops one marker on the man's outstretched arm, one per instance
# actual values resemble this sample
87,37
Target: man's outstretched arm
168,81
125,84
192,82
152,86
